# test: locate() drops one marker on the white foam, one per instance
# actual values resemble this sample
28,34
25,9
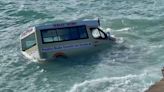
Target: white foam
108,29
129,83
118,39
124,29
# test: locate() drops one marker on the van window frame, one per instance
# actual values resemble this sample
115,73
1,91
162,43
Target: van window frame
42,38
24,49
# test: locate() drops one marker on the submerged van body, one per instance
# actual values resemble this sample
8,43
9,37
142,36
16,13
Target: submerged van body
50,41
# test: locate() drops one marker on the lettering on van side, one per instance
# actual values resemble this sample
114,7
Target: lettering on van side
65,24
64,47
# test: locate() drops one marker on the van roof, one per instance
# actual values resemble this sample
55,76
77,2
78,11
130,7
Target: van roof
88,22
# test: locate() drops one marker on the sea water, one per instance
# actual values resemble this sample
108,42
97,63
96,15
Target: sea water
131,65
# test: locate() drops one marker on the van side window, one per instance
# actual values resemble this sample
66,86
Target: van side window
28,42
83,32
49,36
64,34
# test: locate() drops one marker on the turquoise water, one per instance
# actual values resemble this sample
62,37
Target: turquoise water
132,65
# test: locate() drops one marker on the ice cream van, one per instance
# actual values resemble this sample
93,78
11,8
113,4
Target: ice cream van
49,41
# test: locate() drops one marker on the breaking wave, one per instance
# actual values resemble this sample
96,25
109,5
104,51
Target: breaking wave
129,83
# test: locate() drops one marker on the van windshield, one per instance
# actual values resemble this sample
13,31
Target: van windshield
64,34
28,42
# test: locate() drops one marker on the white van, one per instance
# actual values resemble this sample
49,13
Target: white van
49,41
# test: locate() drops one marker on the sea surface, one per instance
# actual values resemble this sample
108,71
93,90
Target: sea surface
131,65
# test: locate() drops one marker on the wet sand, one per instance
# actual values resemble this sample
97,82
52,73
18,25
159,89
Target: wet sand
157,87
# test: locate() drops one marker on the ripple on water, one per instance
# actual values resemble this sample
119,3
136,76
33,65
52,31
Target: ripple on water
131,65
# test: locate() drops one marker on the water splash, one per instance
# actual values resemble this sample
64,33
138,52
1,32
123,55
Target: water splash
129,83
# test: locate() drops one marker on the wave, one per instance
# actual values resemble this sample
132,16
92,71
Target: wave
129,83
